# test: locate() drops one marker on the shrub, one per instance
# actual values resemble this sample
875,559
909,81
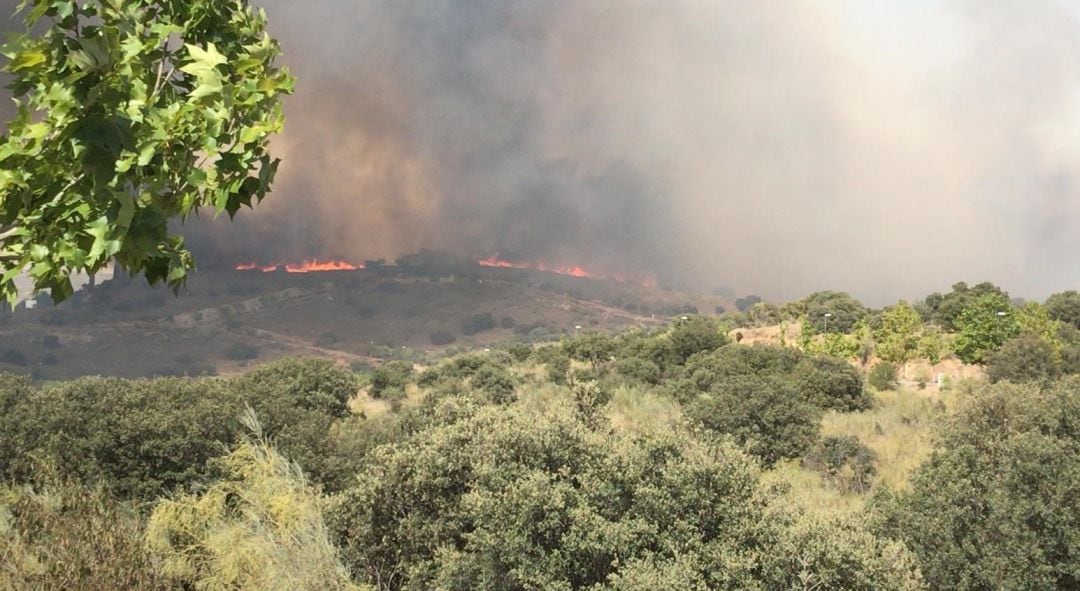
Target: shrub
389,380
478,323
520,352
440,338
507,322
694,335
845,462
241,352
831,384
764,414
260,527
508,500
57,535
140,437
50,341
882,376
1026,358
13,357
995,505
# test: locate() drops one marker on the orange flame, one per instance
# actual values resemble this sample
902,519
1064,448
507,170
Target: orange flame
570,270
310,266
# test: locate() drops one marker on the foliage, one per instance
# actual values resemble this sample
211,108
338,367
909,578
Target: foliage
297,401
141,437
932,345
57,535
696,334
131,114
882,376
763,314
591,347
947,309
744,304
995,506
260,527
844,311
1065,307
831,384
1026,358
898,337
764,414
442,337
144,438
843,346
984,326
817,553
478,323
1034,319
389,380
845,462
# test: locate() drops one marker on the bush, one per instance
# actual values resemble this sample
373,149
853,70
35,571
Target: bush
1026,358
477,324
764,414
696,334
140,437
882,376
50,341
389,380
13,357
995,505
58,535
831,384
241,352
504,498
440,338
845,462
260,527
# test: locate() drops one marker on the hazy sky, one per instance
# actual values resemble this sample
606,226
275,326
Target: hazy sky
885,148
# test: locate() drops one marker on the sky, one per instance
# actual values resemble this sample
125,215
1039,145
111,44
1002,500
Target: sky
888,149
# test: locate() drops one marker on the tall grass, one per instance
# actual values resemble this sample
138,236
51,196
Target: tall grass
259,528
900,430
61,535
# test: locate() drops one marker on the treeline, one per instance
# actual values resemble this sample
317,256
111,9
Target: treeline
506,470
981,324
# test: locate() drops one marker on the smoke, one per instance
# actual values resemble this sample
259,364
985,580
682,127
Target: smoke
776,148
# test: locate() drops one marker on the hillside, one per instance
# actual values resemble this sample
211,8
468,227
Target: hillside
227,320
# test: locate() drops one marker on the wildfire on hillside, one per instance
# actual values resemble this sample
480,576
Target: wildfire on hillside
570,270
311,266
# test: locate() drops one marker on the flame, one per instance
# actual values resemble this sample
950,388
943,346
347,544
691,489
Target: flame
310,266
570,270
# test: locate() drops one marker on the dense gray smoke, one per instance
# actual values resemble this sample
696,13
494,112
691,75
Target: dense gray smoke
772,147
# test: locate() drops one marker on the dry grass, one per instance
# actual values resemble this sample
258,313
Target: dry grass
899,429
260,528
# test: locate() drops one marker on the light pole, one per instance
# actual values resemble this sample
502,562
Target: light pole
827,317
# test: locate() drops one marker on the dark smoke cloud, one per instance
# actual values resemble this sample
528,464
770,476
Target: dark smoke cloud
772,147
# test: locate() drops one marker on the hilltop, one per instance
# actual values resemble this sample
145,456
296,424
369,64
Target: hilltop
226,320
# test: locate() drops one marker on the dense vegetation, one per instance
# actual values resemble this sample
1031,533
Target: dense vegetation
669,459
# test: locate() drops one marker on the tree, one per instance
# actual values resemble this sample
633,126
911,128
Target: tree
946,309
744,304
898,337
130,115
1065,307
984,326
1026,358
694,335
